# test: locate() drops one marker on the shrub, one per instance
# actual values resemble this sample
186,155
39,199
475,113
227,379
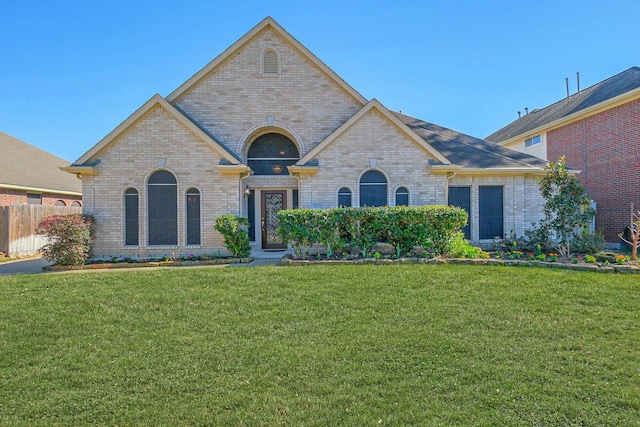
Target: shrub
588,242
235,232
296,227
460,248
567,206
606,257
361,229
68,238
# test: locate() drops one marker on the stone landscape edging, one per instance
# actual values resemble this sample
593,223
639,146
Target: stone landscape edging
620,269
113,265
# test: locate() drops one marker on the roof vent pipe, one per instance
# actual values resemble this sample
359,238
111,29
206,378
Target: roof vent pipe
578,79
519,115
566,81
526,110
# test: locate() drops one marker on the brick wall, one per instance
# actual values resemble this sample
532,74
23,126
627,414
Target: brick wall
235,100
401,160
404,165
18,197
131,160
236,103
606,147
522,202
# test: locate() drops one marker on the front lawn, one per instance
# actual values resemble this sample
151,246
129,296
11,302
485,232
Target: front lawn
321,345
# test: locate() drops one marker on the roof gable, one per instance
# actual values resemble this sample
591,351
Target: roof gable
271,24
25,166
142,112
610,91
374,104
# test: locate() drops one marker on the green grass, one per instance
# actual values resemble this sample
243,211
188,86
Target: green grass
321,345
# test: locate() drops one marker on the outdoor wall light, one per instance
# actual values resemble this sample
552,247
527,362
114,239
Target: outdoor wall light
247,191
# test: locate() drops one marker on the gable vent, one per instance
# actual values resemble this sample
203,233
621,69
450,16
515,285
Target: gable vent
270,62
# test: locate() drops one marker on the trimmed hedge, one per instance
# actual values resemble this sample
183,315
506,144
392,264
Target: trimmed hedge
361,229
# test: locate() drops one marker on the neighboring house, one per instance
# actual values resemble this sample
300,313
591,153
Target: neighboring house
266,126
29,175
598,131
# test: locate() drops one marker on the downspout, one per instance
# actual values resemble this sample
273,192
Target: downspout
297,178
446,190
243,176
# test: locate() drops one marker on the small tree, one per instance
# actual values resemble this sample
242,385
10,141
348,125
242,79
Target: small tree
235,232
68,238
634,237
567,208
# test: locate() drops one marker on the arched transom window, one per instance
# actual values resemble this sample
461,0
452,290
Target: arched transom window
271,153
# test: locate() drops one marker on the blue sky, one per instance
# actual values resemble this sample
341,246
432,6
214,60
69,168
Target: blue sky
71,71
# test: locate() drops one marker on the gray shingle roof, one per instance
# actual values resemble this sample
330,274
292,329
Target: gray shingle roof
24,165
610,88
467,151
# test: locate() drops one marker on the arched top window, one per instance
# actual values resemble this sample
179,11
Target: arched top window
193,216
344,197
162,177
162,209
271,153
402,196
60,203
76,204
131,222
373,189
270,62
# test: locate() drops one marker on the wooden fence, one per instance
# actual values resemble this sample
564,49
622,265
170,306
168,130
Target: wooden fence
18,227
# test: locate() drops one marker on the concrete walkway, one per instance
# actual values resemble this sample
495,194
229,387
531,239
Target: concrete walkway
23,266
35,265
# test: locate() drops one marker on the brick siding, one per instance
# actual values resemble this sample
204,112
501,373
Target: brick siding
236,103
606,147
18,197
131,160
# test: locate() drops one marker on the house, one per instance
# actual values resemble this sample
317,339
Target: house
597,129
29,175
267,125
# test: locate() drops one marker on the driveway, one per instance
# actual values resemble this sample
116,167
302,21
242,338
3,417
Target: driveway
23,266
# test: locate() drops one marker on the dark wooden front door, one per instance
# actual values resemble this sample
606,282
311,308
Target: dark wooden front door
272,202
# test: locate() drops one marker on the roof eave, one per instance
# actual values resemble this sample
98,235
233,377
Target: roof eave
235,169
140,114
498,171
268,22
40,189
80,170
594,109
375,104
303,170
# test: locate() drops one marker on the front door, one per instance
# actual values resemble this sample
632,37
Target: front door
272,203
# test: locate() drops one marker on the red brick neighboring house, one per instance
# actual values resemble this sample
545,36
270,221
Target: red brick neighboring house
598,130
31,175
